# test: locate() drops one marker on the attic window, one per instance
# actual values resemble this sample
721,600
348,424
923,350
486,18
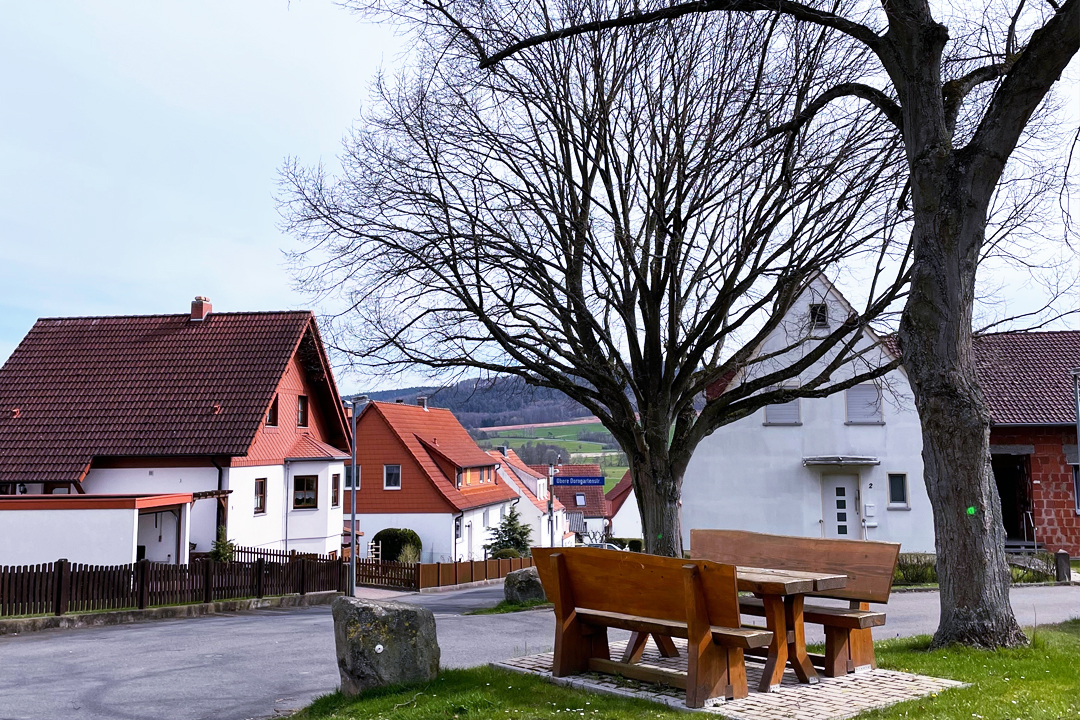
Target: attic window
301,411
819,316
579,499
271,414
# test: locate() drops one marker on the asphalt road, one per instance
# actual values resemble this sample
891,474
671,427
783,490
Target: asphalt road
264,663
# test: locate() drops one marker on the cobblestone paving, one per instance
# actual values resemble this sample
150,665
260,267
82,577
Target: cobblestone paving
830,699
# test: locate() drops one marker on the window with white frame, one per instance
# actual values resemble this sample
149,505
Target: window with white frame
579,499
864,404
819,316
391,477
783,413
898,491
486,523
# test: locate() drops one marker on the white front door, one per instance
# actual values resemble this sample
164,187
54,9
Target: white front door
841,506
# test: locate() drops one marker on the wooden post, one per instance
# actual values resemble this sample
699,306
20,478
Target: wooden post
303,576
208,581
707,664
775,620
63,586
143,583
861,643
260,570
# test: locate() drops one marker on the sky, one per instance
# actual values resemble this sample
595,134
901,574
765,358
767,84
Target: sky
140,144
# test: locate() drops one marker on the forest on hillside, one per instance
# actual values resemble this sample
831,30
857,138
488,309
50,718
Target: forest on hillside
490,403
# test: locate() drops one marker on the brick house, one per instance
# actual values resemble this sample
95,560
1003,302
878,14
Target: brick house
238,410
420,469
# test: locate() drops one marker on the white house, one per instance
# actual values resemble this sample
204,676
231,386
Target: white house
844,466
625,518
532,487
237,410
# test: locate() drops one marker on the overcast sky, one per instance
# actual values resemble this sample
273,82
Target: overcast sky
140,142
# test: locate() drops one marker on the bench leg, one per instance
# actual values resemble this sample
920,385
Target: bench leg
635,647
666,646
800,661
862,649
711,669
575,642
837,652
775,620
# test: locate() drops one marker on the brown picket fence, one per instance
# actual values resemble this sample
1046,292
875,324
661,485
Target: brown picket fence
418,576
62,587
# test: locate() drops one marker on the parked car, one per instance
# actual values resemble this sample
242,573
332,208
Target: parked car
605,546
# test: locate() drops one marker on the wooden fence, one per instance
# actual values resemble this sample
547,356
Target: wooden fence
418,576
62,587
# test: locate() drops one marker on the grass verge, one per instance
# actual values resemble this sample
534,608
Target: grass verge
1038,682
509,607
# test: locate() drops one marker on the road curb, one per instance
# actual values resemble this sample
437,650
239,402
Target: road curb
462,586
896,590
16,626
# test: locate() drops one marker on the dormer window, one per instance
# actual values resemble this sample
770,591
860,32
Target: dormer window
271,414
579,499
819,316
301,411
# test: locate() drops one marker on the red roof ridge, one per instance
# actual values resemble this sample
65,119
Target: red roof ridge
185,316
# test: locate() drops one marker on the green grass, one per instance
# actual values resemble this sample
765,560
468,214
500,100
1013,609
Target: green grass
612,476
556,432
1039,682
571,445
509,607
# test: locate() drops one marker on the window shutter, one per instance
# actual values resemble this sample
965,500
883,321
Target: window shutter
864,404
783,414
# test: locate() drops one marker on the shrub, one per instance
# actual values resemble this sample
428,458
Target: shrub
915,569
510,533
505,554
223,549
635,545
409,554
393,540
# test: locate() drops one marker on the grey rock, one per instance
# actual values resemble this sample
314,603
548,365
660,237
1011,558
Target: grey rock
383,643
523,585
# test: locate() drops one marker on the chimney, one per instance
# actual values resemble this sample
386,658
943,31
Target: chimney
422,402
200,308
502,450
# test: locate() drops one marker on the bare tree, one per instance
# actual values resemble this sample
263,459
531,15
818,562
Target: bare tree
961,109
603,217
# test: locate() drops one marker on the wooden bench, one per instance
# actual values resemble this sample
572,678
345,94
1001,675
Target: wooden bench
869,567
595,589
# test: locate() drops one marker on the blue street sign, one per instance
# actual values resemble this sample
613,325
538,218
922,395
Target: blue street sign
571,480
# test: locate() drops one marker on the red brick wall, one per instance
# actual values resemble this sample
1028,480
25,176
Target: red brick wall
1052,491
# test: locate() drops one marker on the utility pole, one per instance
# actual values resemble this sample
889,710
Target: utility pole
355,404
551,503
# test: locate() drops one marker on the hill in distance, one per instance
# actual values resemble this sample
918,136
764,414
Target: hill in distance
479,404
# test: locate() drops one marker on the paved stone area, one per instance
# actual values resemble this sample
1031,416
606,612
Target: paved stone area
829,699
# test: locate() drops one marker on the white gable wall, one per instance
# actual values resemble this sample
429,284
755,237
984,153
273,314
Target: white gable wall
750,476
627,522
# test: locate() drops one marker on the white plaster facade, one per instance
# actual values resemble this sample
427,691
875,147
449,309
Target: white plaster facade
436,531
92,536
759,476
626,523
543,526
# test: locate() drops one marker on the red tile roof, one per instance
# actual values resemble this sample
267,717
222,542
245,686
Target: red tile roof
156,385
596,505
618,494
429,433
1025,377
308,448
514,462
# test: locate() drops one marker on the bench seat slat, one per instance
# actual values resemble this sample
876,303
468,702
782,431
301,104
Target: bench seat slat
745,638
821,615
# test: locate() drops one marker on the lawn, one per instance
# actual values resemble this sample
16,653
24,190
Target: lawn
571,445
1039,682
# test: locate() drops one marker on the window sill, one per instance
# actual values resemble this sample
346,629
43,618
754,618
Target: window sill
260,513
898,507
391,488
776,424
301,509
866,422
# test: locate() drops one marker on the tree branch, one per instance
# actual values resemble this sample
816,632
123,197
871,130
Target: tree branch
872,95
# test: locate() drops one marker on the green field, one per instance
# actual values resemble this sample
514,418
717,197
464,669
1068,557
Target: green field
557,432
571,446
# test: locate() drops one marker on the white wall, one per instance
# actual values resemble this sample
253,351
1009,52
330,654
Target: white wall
103,481
627,522
531,515
91,536
158,531
436,531
750,476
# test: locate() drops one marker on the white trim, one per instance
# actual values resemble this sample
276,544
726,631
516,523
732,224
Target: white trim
391,487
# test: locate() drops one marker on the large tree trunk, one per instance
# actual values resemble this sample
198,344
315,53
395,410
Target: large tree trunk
936,340
658,491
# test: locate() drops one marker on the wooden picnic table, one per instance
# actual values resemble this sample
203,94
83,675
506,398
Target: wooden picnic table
783,593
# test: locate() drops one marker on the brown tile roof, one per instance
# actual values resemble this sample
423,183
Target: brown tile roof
155,385
1025,376
618,494
596,505
433,433
514,462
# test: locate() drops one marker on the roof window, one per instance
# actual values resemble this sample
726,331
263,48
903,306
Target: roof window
579,499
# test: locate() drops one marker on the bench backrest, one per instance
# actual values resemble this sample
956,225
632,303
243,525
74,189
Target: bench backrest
869,565
637,584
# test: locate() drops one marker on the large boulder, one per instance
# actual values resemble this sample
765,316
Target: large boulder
383,643
523,585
